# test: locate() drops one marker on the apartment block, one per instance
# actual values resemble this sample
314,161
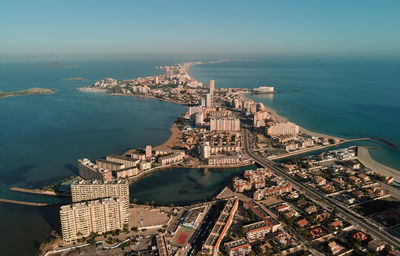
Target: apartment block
85,190
98,216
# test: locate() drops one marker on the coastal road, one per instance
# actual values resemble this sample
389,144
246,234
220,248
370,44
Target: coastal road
351,216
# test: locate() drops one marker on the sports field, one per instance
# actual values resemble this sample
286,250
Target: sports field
182,236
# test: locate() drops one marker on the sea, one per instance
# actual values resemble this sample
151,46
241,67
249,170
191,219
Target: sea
42,136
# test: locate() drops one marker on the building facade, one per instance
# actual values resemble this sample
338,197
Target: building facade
98,216
85,190
91,171
224,124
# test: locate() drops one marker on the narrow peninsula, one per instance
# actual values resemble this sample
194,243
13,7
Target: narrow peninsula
31,91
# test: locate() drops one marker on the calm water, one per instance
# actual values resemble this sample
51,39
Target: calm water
344,98
42,136
183,186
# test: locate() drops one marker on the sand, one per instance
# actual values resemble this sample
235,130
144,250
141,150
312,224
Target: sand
365,158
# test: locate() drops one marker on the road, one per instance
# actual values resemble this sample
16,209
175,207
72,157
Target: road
348,214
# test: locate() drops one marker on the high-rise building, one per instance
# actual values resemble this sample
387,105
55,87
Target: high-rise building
85,190
91,171
283,128
156,80
212,86
224,124
209,100
148,151
199,120
98,216
205,150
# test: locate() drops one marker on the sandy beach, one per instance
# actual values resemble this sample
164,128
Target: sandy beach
280,118
172,140
365,158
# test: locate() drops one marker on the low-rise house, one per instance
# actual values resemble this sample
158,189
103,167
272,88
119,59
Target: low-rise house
364,178
319,180
376,245
359,236
336,224
334,247
291,214
302,223
282,207
316,232
311,209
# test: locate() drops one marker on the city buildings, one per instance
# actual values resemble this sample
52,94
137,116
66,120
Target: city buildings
264,89
148,151
171,159
224,124
282,128
212,86
238,247
91,171
209,100
223,160
85,190
205,150
221,226
98,216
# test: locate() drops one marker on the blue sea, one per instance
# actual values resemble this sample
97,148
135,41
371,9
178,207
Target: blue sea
344,98
42,136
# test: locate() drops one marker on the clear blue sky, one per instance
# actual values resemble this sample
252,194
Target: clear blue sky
339,27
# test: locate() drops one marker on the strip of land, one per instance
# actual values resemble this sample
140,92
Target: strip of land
22,202
30,91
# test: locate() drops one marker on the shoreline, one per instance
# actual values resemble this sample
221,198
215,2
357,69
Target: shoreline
365,158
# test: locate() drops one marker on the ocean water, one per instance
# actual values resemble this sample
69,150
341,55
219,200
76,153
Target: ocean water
345,98
42,136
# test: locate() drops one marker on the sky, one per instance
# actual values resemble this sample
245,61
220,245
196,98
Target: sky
97,28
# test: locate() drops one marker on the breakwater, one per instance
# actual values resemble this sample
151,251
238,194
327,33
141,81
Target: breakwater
39,192
22,202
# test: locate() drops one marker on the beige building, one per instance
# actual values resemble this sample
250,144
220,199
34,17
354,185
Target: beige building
171,159
91,171
212,86
148,151
98,216
127,161
283,128
205,150
223,160
224,124
85,190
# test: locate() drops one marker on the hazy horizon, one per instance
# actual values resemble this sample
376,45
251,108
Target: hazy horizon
101,29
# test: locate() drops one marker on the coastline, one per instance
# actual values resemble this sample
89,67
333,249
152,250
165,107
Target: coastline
365,158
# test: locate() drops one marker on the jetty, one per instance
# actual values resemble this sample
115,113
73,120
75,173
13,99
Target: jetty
22,202
40,192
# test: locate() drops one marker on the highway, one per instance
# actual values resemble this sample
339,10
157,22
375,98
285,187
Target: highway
346,213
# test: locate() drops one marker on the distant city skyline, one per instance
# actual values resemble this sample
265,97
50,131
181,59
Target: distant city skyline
72,28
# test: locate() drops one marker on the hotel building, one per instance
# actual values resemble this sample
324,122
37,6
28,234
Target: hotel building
91,171
283,128
98,216
224,124
85,190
